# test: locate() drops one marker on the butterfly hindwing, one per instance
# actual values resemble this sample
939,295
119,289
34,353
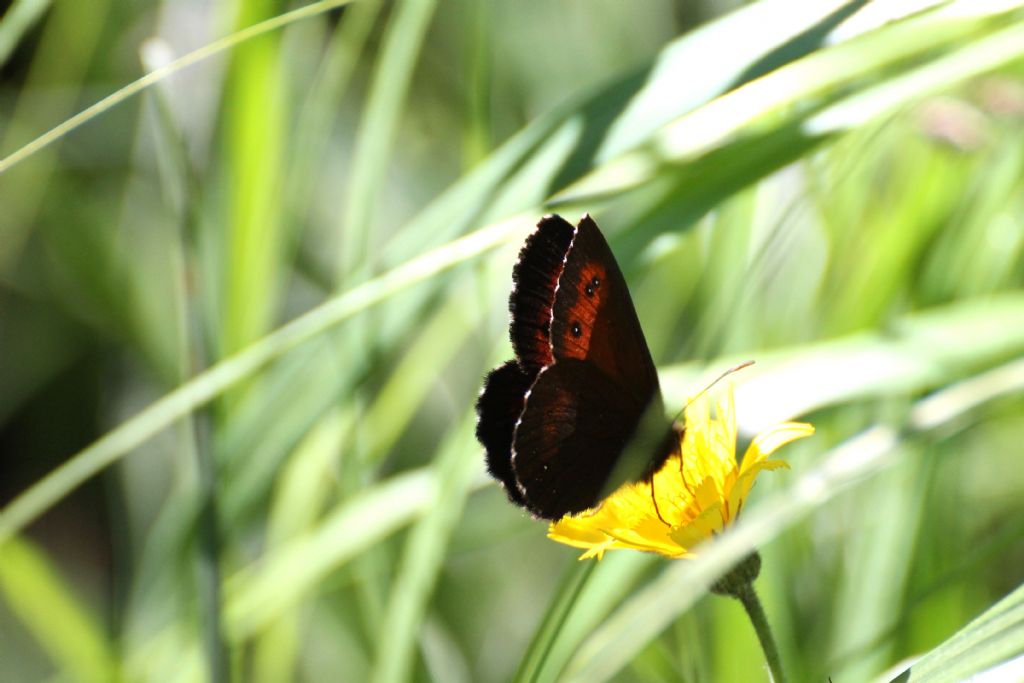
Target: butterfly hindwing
498,409
575,423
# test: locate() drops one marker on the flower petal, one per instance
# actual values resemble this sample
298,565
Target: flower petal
707,524
693,496
708,494
572,532
725,411
638,539
770,441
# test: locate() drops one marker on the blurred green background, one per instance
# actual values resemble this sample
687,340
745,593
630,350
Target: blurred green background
834,189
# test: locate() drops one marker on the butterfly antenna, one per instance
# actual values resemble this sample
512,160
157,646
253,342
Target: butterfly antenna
657,510
735,368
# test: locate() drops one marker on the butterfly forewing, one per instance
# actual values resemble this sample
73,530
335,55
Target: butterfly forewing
594,318
535,278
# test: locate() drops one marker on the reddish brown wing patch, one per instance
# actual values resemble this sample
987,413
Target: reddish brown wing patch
581,293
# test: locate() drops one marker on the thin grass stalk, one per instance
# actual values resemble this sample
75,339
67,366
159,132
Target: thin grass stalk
153,77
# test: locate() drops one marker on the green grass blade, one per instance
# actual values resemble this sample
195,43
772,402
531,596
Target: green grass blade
253,253
153,77
258,595
536,656
775,31
72,637
992,638
302,492
225,374
721,132
423,557
319,109
981,56
19,18
590,591
924,351
70,37
414,374
385,103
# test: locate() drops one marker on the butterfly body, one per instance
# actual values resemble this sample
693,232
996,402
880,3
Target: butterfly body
579,409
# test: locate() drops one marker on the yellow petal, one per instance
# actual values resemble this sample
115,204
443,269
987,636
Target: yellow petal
774,465
575,534
597,550
697,413
631,538
708,523
726,412
770,441
708,494
745,482
739,493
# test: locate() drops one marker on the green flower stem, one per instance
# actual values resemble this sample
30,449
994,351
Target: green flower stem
764,632
739,583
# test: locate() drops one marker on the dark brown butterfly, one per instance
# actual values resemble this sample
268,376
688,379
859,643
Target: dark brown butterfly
579,410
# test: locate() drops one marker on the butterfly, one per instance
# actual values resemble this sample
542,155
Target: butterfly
578,411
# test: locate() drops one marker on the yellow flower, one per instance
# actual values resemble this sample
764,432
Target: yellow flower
695,494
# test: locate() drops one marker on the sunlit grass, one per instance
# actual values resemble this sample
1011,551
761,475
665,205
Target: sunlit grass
288,268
